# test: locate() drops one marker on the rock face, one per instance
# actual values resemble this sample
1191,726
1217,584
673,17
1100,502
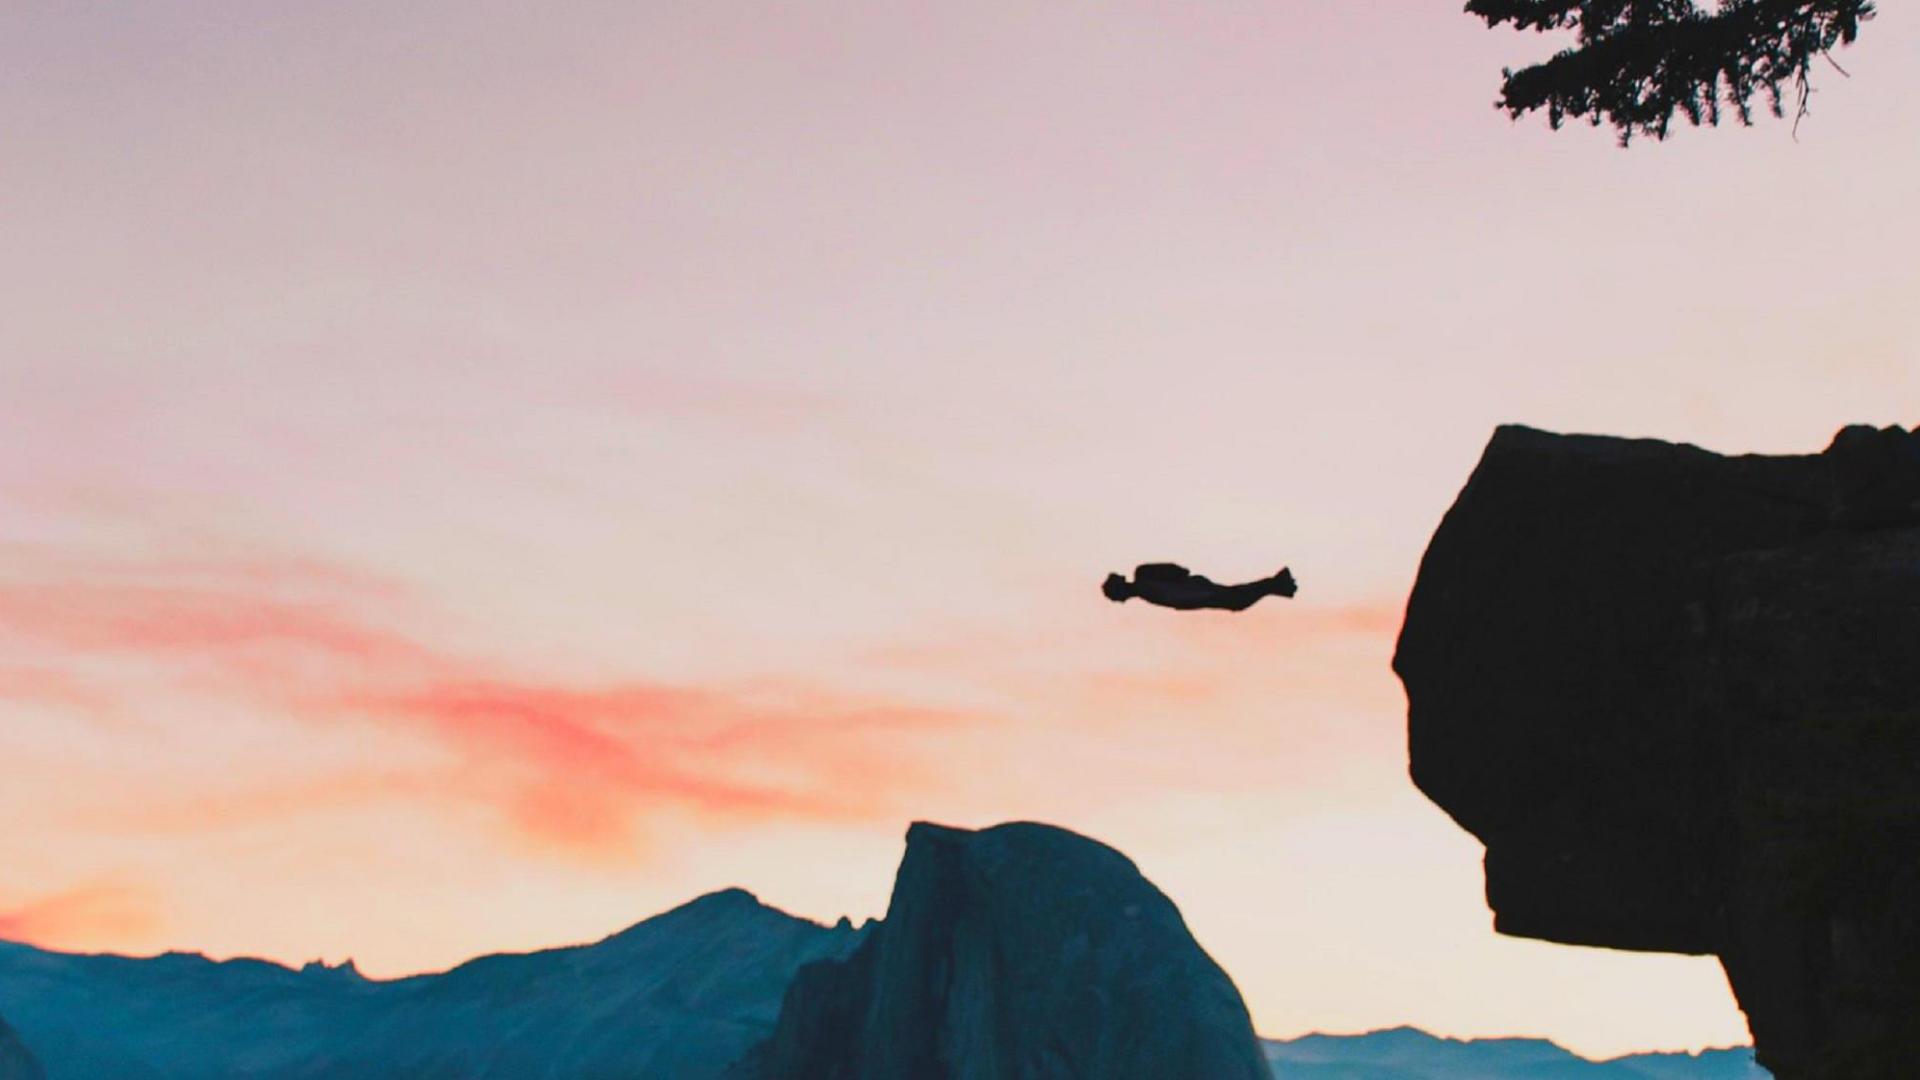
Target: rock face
680,996
16,1061
1021,952
1677,695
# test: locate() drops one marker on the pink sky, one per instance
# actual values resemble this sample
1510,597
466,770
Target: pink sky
473,476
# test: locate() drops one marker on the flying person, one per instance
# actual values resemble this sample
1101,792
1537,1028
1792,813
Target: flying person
1174,586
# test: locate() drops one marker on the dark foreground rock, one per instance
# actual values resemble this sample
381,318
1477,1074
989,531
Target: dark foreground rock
1021,952
1677,695
16,1061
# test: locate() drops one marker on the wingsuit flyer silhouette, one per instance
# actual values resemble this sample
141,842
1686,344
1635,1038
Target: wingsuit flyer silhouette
1174,586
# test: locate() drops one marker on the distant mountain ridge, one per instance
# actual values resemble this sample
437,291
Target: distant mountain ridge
1407,1053
681,995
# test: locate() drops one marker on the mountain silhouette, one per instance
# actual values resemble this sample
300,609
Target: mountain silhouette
1024,951
1406,1053
681,996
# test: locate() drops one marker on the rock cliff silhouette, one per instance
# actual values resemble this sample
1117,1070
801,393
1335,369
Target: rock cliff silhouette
1677,695
1020,952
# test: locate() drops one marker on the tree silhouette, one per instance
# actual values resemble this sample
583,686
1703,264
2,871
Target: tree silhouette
1637,62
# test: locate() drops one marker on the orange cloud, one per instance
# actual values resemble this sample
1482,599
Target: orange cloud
579,760
89,916
582,820
574,766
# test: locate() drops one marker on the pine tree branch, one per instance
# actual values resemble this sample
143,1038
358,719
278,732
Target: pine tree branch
1638,62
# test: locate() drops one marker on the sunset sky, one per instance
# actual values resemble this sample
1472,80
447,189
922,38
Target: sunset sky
475,475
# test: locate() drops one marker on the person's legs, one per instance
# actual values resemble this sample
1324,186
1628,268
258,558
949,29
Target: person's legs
1239,597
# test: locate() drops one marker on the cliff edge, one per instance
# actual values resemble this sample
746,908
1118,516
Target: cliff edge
1677,695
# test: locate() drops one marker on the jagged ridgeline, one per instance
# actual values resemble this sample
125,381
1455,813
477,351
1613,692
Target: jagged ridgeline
682,995
1022,950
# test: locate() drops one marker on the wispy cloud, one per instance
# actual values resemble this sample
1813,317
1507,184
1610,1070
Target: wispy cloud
100,912
171,619
564,764
706,751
